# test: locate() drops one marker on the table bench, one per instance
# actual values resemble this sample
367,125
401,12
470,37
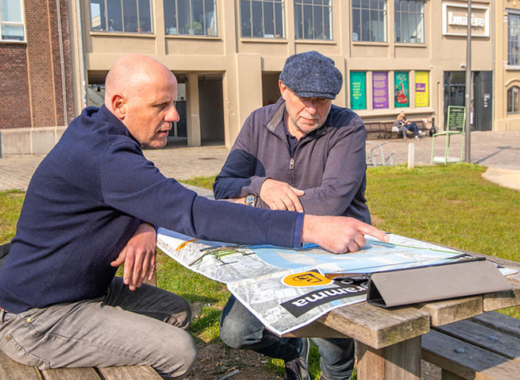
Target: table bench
383,129
484,347
9,369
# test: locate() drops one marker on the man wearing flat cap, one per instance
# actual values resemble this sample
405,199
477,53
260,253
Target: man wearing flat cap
303,154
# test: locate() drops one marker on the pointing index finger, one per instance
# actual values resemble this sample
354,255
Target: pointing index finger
367,229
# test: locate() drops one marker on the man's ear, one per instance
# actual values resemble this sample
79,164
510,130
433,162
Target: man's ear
119,106
283,88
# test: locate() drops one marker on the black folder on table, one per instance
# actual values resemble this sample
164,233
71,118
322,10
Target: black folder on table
433,283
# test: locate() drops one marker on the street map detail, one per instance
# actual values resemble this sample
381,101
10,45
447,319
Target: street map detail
289,288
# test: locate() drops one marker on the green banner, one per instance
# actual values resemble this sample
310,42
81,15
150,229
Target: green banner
358,90
402,98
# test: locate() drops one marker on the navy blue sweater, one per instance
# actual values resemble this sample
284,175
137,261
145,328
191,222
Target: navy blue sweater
86,200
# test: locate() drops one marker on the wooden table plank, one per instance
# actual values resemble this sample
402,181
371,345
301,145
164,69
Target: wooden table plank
130,372
70,374
378,327
500,322
449,311
484,337
476,362
9,369
501,300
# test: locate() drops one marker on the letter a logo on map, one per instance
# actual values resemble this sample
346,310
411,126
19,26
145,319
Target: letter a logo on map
310,278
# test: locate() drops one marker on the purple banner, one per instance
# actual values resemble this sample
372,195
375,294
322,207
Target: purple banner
420,87
379,89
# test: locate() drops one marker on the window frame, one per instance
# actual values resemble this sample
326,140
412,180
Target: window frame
106,27
513,108
14,23
398,21
323,23
251,23
366,6
510,56
190,29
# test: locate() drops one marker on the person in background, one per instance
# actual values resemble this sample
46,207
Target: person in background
406,125
303,154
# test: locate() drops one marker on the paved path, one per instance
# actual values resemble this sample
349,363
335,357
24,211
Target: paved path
499,151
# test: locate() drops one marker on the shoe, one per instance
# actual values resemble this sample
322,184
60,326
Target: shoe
417,137
297,369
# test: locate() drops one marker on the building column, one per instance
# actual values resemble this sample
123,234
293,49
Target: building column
193,110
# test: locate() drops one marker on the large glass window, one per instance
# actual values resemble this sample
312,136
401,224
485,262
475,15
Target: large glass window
262,18
409,21
128,16
11,21
513,31
190,17
313,19
369,20
512,100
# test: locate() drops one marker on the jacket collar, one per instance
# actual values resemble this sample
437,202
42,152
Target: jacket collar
275,123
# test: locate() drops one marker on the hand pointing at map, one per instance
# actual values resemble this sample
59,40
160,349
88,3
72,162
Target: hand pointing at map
338,234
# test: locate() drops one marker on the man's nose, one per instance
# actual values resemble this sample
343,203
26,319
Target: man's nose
311,106
172,115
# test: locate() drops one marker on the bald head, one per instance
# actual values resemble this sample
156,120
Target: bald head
132,75
141,92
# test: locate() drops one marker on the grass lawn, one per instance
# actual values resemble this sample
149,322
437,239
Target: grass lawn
450,205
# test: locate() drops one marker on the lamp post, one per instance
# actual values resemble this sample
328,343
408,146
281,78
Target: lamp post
467,136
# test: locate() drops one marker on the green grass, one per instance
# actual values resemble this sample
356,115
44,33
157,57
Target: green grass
10,206
450,205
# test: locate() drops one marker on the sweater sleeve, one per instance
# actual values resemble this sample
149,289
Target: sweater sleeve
343,176
237,178
133,185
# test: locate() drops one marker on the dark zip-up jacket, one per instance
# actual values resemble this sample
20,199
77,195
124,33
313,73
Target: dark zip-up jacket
87,198
329,163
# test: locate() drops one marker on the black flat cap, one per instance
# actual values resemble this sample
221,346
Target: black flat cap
312,75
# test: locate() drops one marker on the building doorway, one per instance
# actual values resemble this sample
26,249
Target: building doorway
482,100
211,102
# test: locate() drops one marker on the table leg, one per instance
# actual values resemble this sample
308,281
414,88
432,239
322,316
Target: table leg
399,361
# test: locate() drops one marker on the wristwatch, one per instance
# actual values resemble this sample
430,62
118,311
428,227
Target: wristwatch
251,200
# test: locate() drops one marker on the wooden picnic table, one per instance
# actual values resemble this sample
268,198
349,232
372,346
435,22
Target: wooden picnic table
389,340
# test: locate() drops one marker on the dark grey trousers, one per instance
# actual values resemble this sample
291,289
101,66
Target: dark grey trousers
147,326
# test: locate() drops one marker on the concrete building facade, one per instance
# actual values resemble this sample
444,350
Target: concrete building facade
507,65
395,55
35,75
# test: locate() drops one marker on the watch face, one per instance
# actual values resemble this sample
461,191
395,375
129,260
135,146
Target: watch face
250,200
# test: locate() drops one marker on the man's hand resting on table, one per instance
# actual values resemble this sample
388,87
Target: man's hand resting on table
281,196
338,234
138,256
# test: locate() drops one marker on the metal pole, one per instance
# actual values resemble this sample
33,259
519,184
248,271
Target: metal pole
467,143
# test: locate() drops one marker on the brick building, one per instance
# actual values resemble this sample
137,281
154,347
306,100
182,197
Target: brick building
36,90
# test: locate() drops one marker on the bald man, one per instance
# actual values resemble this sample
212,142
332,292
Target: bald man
91,206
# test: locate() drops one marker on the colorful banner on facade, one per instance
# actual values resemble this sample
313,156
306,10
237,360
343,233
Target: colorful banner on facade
379,89
402,98
422,98
358,90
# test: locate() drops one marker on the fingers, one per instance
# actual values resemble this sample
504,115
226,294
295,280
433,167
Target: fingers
120,259
280,196
298,192
367,229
